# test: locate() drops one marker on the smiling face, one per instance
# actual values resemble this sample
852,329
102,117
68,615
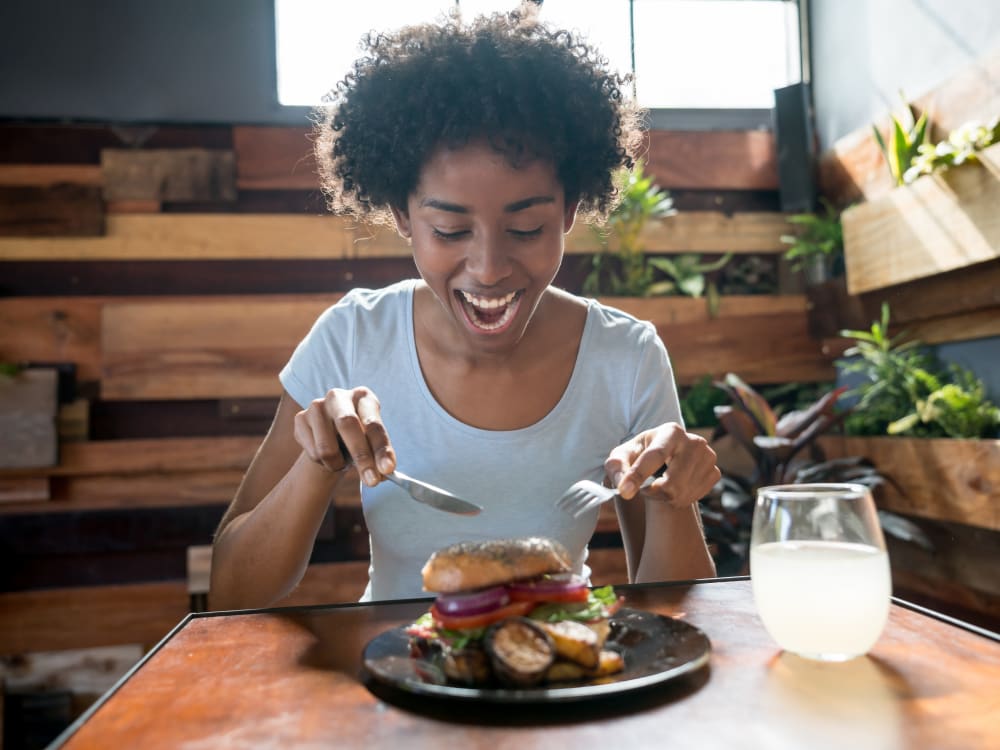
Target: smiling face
487,239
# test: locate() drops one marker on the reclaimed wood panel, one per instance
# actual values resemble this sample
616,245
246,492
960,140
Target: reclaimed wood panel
282,158
165,490
84,617
763,339
95,616
133,207
939,478
163,455
62,210
45,175
162,278
274,158
177,174
24,489
208,348
940,296
53,329
235,347
281,236
733,160
939,223
48,143
197,236
978,324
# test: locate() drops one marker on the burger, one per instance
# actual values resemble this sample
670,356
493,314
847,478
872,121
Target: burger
510,612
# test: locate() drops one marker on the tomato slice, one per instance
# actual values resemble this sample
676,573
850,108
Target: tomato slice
540,595
453,622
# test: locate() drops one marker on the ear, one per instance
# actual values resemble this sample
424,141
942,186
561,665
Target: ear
569,218
402,220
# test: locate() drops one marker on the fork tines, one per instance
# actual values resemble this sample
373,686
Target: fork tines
583,496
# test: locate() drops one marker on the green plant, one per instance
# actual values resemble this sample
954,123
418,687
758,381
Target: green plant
687,276
773,441
905,139
959,147
820,240
906,391
698,403
627,273
750,274
776,443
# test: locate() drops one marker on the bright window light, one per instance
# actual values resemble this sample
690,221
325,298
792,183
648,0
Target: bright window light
689,54
318,40
714,54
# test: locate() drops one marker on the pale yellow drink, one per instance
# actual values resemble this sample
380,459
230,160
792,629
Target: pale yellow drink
827,600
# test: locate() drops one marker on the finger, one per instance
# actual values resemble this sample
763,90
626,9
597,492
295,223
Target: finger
620,461
315,434
342,412
370,413
326,448
655,449
693,471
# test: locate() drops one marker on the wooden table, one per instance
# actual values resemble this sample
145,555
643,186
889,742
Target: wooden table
290,678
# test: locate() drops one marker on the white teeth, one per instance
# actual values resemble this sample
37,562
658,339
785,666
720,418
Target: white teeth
476,305
488,303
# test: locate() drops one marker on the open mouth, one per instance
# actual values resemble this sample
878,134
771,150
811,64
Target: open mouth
489,314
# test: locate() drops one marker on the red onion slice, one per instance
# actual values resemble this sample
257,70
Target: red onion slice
550,585
473,602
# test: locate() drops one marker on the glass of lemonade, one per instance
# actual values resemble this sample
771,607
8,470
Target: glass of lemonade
819,569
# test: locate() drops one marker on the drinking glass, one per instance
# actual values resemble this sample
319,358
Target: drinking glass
819,569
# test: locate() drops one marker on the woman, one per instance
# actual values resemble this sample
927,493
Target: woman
482,143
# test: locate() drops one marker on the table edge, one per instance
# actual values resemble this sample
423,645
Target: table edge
61,739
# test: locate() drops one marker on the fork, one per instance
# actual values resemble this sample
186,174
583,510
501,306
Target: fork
585,495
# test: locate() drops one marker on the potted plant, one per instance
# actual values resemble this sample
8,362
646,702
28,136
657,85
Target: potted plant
818,248
710,337
783,449
928,426
940,217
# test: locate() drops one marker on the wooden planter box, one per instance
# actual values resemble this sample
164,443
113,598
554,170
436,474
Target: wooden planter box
939,223
943,479
761,338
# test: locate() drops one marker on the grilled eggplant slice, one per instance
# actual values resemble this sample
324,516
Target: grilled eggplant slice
467,666
520,651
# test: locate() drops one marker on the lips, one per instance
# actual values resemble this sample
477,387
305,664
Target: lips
489,314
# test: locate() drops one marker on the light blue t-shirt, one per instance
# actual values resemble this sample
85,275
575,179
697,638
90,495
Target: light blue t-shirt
621,385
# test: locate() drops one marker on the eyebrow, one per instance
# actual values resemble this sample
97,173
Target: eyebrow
509,208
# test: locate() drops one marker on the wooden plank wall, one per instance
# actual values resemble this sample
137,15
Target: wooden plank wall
174,268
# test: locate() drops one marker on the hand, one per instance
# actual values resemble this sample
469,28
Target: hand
691,471
345,427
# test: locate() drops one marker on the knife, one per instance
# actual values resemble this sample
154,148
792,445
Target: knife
422,492
433,496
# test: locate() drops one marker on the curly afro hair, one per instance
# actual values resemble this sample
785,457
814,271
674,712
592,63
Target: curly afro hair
529,91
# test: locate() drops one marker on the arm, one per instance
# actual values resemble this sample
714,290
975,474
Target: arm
265,538
661,526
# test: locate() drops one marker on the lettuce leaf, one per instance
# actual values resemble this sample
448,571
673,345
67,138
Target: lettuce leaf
598,605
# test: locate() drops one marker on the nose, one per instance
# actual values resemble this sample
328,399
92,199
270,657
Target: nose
488,260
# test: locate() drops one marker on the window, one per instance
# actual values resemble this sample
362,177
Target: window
703,61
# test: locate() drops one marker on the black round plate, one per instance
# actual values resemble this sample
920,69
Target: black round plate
655,648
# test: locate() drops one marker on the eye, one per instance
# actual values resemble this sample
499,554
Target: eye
526,234
450,236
